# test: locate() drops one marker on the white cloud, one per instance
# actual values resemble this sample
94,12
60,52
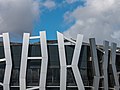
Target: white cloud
99,19
67,17
71,1
16,16
49,4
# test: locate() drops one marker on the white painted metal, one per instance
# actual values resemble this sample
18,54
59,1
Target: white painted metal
44,64
95,64
1,84
35,58
113,62
105,64
74,65
75,61
25,57
63,70
8,59
69,40
34,88
35,37
63,65
1,60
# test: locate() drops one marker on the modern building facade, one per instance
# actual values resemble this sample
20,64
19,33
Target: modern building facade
58,66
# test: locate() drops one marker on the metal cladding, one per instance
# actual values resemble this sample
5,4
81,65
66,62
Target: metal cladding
8,61
25,57
100,68
97,75
74,64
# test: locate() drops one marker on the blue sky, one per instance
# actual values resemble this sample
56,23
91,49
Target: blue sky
52,20
98,19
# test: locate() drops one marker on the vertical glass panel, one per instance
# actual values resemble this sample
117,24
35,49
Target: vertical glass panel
70,78
53,77
35,76
15,77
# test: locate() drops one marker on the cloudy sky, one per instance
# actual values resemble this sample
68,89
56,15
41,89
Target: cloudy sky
98,19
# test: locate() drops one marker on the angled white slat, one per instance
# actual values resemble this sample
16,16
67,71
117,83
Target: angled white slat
44,63
69,40
105,64
95,63
113,62
24,58
74,65
8,68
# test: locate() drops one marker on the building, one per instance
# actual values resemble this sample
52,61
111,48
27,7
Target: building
86,66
